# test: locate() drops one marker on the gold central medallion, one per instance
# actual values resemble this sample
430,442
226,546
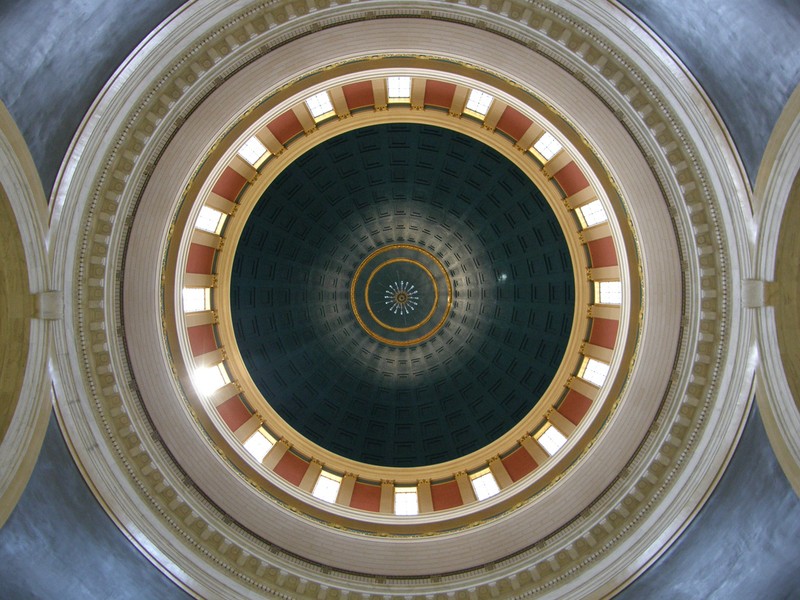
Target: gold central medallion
401,294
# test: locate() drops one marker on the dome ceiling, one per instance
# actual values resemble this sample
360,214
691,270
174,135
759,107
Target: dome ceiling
225,526
432,191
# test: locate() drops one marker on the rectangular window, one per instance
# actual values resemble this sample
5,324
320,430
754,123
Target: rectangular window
547,146
327,487
551,439
210,220
196,299
484,484
608,292
258,445
253,151
405,501
591,214
399,89
208,380
594,371
320,106
478,103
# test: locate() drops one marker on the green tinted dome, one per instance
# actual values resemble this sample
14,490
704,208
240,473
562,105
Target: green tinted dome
430,192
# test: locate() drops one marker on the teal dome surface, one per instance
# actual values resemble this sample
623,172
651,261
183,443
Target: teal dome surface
430,192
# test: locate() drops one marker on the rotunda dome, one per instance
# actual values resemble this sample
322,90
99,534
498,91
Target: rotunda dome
257,212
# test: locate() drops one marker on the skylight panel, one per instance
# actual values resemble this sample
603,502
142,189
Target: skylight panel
485,485
196,299
479,103
320,105
595,371
592,213
210,220
258,445
327,487
253,150
208,380
609,292
399,89
406,501
547,146
551,439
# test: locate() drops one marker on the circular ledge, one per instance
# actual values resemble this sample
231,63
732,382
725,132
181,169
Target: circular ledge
578,542
774,286
25,309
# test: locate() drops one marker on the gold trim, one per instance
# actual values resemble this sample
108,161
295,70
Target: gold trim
369,304
388,341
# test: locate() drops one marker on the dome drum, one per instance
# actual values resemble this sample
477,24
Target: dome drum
574,393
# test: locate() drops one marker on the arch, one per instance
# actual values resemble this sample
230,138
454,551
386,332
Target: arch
25,306
773,292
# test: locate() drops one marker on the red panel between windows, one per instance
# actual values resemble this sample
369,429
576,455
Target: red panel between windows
358,95
229,184
574,406
292,468
604,332
233,412
519,463
446,495
513,123
603,252
201,339
285,127
571,179
439,93
366,497
201,259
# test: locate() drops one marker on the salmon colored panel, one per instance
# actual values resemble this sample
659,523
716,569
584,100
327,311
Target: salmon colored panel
233,412
574,406
229,184
604,332
201,259
571,179
366,497
513,123
446,495
439,93
285,127
358,95
201,339
603,252
519,463
292,468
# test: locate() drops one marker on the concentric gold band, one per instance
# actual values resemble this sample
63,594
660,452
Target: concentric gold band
429,332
